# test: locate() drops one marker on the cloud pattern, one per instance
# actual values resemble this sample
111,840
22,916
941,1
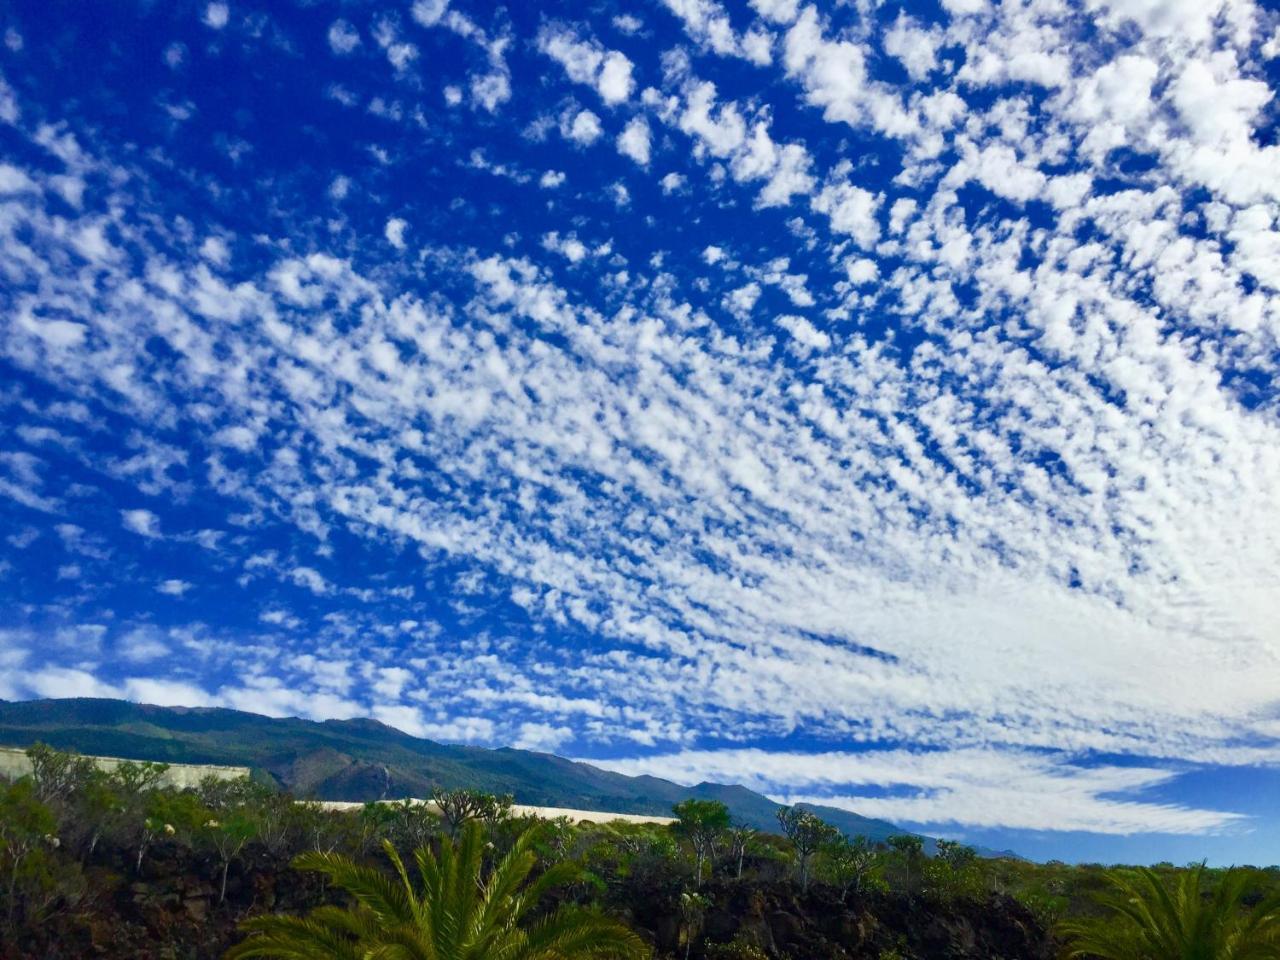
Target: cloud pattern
876,407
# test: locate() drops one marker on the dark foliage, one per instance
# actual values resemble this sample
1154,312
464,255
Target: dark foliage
111,865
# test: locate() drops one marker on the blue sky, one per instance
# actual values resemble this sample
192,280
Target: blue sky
872,405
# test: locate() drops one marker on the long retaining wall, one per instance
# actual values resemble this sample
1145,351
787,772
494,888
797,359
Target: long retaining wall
14,763
523,810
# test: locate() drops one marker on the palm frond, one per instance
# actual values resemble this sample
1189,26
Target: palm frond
294,938
458,913
372,888
1148,918
575,932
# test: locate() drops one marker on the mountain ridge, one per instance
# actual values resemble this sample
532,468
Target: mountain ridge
365,759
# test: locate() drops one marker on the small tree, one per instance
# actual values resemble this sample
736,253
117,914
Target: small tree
25,824
702,823
165,813
693,909
457,807
376,821
741,839
951,872
910,849
275,821
228,837
411,822
849,863
99,808
237,808
133,778
55,774
807,833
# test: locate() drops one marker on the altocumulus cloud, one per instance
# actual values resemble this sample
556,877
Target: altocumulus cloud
879,410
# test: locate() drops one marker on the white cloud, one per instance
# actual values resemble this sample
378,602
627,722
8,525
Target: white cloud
708,23
216,16
587,62
429,12
720,130
456,730
339,187
851,209
542,736
862,270
13,180
267,695
628,23
59,334
915,48
237,437
967,788
57,682
615,83
573,249
1219,112
142,644
214,249
311,579
1190,19
551,179
394,232
778,11
806,335
343,37
174,588
142,522
998,169
400,53
166,693
585,128
633,142
280,618
742,301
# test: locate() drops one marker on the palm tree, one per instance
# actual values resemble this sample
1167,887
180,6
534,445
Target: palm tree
458,914
1151,920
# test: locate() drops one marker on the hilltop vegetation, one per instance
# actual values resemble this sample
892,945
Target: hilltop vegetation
365,760
98,864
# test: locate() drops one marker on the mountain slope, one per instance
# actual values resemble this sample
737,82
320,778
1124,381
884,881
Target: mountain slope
367,760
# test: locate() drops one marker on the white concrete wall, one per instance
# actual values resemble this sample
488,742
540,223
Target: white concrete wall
14,763
522,810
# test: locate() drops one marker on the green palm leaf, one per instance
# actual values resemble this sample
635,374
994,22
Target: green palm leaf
1149,919
456,912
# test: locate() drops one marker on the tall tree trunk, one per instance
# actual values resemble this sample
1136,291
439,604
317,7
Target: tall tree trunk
13,887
